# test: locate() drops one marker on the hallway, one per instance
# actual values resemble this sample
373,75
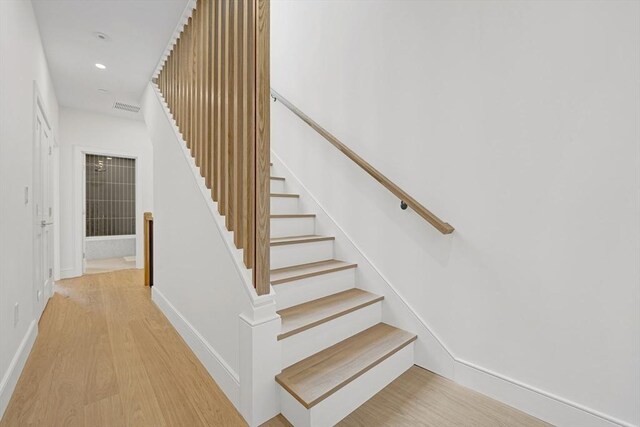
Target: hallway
106,356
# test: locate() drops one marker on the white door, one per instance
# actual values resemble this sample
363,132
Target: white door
42,196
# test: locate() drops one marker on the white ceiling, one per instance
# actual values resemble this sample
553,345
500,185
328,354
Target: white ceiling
139,31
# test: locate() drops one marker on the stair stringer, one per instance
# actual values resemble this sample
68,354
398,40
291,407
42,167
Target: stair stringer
255,394
430,351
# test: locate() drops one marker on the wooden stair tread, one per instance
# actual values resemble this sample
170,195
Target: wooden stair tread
313,313
317,377
293,215
284,195
303,271
292,240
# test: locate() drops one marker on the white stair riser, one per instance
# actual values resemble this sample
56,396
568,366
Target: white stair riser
301,253
284,205
344,401
277,186
306,343
293,293
286,227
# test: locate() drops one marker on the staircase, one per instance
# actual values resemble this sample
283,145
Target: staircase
336,352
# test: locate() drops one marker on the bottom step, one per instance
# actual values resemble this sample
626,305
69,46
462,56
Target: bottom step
326,387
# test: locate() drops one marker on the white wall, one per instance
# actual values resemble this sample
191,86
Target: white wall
22,62
102,133
197,283
517,122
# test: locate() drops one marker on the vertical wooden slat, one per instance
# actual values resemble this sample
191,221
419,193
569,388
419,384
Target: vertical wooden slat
222,155
174,78
204,92
261,268
197,108
215,96
190,85
236,181
183,82
163,79
247,112
174,96
229,54
190,88
179,83
195,144
183,97
200,85
170,81
167,69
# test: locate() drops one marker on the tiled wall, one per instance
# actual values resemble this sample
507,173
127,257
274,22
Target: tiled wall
111,196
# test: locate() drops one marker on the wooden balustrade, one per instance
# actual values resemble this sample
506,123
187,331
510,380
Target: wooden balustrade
216,83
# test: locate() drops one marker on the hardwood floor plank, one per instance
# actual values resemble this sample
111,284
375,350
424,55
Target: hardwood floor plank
105,413
421,398
106,356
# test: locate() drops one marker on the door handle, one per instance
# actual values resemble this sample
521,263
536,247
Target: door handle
44,223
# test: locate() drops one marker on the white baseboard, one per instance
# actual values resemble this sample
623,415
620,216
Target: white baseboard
554,409
68,273
222,373
10,378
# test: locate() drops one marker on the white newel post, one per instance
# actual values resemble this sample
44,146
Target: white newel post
260,362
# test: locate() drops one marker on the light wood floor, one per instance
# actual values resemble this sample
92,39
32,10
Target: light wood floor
95,266
421,398
106,356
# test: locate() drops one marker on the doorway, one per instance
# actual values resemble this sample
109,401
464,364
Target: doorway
109,213
43,208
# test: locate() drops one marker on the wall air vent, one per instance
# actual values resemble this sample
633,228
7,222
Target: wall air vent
126,107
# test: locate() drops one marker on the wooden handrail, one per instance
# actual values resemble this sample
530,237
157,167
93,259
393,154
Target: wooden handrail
216,84
440,225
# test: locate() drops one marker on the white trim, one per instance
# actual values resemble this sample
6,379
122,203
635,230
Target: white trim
10,378
56,210
78,203
218,368
67,273
119,237
532,400
266,301
540,403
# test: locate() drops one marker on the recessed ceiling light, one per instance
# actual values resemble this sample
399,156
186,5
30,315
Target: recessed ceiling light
100,66
102,36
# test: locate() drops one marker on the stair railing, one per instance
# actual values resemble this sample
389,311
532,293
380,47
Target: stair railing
405,199
216,84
